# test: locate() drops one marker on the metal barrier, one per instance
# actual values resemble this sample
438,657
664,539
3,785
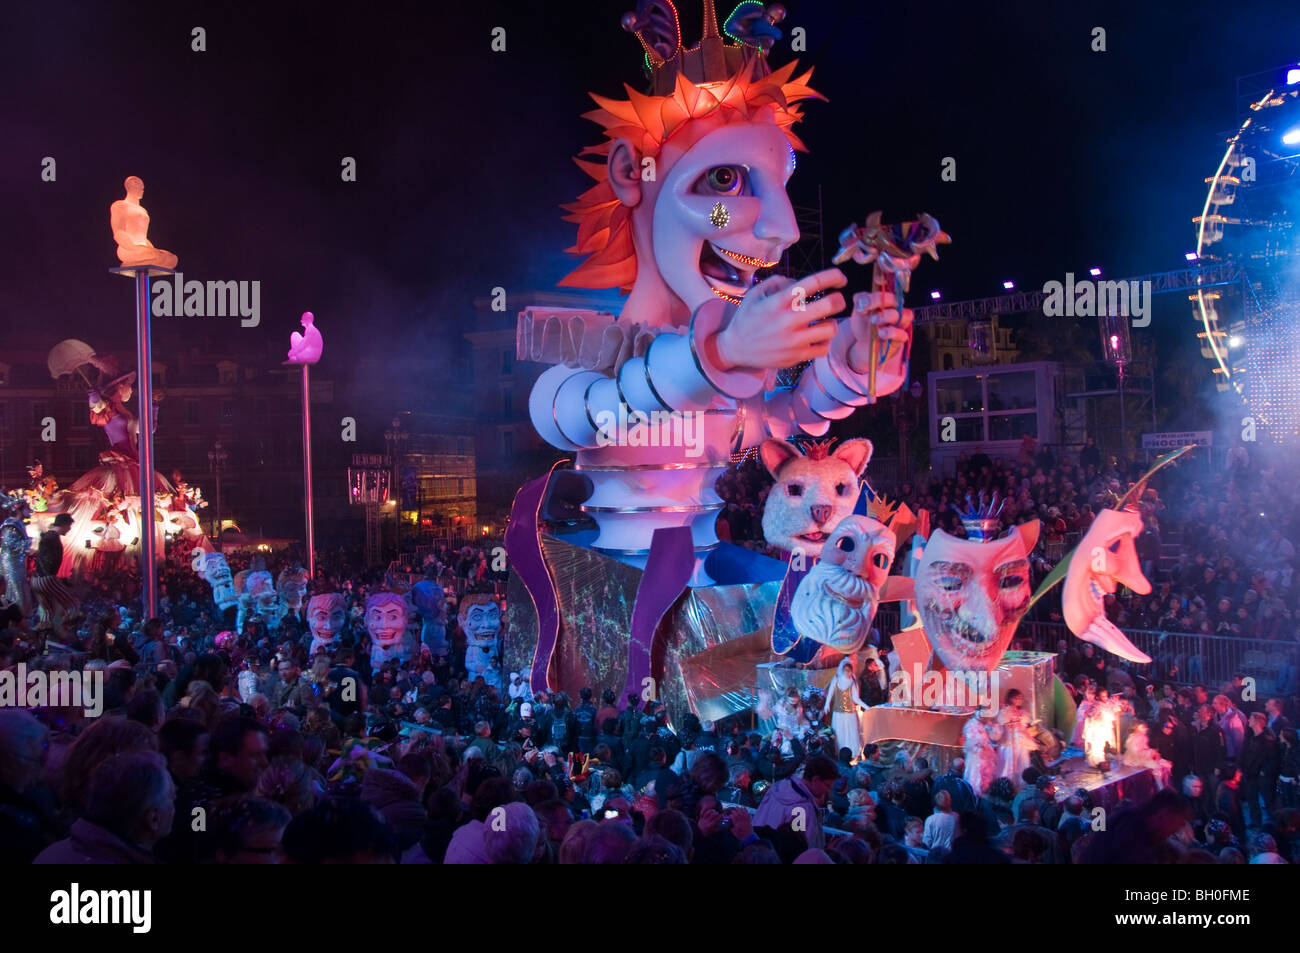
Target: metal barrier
1184,658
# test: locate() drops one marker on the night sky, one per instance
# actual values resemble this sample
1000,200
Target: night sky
1066,158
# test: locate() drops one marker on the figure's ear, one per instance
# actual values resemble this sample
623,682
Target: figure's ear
775,454
624,164
1029,533
856,453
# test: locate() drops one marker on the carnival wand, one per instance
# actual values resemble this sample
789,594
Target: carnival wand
893,251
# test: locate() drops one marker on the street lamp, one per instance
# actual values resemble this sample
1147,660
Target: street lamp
1117,349
217,458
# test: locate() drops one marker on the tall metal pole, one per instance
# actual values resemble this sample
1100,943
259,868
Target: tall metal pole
306,468
144,386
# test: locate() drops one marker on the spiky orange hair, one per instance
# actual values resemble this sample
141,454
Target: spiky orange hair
604,223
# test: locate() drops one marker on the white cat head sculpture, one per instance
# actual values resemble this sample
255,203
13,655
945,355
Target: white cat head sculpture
814,491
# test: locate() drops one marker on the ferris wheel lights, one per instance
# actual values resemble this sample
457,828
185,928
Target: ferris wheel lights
1291,136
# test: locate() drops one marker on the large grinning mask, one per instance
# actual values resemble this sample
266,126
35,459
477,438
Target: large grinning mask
325,617
386,617
971,595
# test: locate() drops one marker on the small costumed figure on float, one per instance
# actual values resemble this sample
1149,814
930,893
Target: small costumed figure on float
844,705
1016,743
1138,753
981,757
1101,729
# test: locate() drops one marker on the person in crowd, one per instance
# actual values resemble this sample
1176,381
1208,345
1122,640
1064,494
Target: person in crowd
130,803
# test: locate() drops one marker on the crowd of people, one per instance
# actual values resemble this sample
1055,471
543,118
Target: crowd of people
219,746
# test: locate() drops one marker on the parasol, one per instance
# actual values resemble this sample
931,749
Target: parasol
67,356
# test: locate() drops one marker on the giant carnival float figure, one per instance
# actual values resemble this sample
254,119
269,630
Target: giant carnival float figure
689,204
706,361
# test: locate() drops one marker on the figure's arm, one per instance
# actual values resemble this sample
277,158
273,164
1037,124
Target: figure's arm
577,409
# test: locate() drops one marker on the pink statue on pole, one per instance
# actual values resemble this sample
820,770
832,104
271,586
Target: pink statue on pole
305,348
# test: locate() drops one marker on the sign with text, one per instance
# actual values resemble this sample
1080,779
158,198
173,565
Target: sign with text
1174,440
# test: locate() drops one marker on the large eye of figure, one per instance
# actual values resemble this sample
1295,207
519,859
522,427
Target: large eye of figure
722,180
794,489
1012,581
880,560
841,488
949,583
845,544
1114,547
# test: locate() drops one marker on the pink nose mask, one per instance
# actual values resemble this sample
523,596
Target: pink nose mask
821,512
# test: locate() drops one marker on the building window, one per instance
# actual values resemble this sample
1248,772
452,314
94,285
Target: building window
228,409
40,410
947,360
507,402
507,361
191,413
507,443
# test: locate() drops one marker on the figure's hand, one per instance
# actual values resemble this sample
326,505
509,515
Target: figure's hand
777,325
879,309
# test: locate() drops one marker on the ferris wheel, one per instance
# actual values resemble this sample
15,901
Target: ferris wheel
1246,219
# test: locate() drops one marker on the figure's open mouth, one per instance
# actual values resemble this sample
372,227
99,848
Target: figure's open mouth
969,639
816,537
729,273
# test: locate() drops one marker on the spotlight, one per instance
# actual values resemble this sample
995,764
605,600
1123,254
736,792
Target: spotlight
1291,136
935,294
1095,272
1292,76
1191,256
1008,285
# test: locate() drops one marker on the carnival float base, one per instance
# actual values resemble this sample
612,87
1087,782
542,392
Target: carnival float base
1118,783
705,647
